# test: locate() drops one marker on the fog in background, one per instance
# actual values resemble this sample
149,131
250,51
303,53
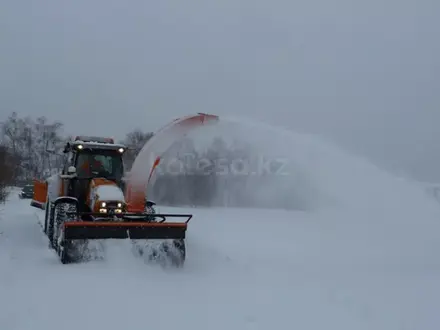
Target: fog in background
365,74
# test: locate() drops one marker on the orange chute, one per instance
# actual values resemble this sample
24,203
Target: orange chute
142,172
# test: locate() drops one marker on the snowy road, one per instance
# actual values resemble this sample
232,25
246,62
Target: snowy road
245,270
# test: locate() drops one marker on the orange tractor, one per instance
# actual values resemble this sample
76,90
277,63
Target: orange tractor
86,202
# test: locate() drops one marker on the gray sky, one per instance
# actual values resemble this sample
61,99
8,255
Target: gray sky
364,73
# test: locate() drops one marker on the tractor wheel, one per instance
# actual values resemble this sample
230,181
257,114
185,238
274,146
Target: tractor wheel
176,253
149,209
166,254
49,223
64,211
47,215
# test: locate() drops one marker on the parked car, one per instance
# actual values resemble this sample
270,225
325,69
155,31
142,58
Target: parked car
27,191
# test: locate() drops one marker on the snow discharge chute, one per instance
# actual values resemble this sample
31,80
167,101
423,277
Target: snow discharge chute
150,156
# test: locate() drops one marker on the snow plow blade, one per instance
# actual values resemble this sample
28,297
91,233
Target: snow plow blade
129,226
79,230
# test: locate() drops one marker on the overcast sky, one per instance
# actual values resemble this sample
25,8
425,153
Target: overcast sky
364,73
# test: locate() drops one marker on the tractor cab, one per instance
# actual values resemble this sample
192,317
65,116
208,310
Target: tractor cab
88,159
92,159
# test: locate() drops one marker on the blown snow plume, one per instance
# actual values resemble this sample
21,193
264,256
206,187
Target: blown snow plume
240,163
320,174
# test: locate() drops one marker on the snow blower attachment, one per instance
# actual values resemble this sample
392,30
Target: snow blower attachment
72,237
122,229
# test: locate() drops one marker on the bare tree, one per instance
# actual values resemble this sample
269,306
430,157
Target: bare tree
134,140
7,172
29,140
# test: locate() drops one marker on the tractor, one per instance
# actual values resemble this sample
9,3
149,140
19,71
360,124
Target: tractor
86,202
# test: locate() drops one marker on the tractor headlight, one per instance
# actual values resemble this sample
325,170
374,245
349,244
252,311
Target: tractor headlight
121,150
102,210
118,211
103,204
119,205
80,146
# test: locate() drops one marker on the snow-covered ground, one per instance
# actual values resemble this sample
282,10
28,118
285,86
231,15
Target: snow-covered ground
246,269
366,257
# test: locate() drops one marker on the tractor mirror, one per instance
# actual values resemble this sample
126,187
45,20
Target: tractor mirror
71,170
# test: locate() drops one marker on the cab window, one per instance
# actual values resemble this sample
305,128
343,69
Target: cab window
108,165
68,162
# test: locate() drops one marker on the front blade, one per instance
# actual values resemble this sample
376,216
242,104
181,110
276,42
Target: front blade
136,217
122,230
